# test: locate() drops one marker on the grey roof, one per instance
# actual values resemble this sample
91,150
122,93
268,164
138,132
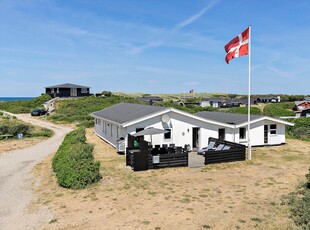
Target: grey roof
212,99
125,112
307,98
228,118
149,98
67,85
240,101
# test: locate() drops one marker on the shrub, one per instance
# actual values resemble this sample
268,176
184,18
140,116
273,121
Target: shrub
86,124
43,132
300,205
20,128
4,129
73,162
279,109
15,128
301,129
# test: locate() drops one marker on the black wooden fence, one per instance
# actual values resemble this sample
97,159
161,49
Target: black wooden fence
145,157
232,152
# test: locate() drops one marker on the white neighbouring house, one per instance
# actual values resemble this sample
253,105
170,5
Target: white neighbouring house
114,123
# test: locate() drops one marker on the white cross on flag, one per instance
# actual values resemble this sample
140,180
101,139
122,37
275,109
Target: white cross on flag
238,46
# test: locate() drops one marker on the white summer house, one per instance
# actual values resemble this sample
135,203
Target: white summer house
114,123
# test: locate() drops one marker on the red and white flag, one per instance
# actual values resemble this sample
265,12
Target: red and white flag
238,46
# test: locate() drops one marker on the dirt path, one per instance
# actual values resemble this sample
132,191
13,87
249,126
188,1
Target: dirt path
16,179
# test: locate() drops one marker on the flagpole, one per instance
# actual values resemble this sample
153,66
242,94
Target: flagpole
249,100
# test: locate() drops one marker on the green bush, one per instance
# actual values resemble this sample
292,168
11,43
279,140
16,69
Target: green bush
86,124
15,128
43,132
24,106
300,205
73,162
4,129
279,109
301,129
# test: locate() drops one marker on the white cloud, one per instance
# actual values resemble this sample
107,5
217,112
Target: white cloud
196,16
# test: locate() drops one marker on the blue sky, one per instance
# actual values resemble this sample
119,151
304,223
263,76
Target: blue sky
153,46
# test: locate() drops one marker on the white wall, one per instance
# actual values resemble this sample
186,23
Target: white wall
107,130
257,134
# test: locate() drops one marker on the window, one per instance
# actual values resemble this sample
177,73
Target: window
168,134
84,90
57,90
273,129
52,90
99,122
222,134
96,122
242,133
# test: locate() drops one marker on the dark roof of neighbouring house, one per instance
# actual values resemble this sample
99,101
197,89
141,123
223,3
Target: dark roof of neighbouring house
67,85
212,99
150,98
228,118
240,101
125,112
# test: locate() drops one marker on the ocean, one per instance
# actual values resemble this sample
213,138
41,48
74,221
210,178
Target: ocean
15,99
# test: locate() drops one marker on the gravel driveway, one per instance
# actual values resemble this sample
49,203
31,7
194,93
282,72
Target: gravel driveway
16,179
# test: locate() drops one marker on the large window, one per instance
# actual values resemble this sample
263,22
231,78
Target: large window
273,129
168,134
84,90
222,134
242,133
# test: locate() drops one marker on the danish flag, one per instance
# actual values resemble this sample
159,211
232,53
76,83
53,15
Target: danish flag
238,46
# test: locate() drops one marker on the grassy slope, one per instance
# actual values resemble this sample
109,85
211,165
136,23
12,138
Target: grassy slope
24,106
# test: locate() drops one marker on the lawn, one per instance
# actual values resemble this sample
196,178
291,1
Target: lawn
243,195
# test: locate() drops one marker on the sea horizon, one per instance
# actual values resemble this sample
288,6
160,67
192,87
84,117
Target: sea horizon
4,99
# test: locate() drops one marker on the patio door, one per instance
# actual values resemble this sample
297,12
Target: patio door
196,137
73,92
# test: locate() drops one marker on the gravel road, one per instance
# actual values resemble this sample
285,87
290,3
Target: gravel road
16,179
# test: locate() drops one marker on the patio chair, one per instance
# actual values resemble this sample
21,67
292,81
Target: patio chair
220,147
210,145
178,150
